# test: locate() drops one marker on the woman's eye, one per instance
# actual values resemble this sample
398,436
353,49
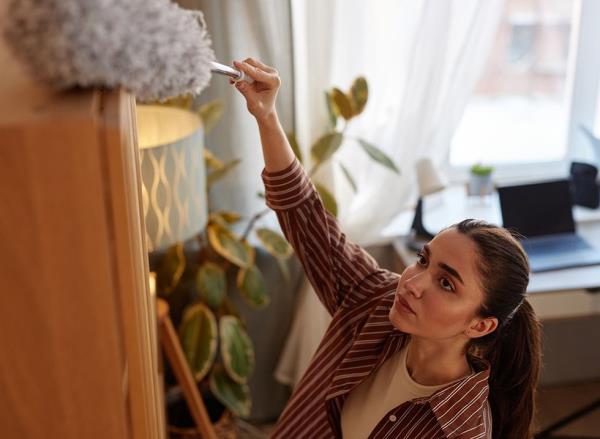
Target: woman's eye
446,284
421,259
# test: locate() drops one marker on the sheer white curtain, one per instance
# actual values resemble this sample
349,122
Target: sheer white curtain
422,60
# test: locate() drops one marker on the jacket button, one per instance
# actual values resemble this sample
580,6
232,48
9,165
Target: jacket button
393,418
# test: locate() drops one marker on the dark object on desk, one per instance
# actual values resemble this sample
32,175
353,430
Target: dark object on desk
419,236
542,213
417,228
429,181
584,186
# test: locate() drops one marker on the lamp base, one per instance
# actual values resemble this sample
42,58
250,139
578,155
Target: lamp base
419,233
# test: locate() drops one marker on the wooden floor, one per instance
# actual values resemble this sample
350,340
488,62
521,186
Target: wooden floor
554,402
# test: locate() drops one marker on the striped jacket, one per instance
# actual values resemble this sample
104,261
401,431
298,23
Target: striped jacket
358,294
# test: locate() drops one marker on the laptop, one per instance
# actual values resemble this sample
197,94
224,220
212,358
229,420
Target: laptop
543,214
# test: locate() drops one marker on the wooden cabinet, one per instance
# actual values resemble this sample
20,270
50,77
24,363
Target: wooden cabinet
79,352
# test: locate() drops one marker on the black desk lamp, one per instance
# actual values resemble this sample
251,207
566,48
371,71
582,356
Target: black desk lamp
429,182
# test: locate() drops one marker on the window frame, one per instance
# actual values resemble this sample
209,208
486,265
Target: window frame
582,82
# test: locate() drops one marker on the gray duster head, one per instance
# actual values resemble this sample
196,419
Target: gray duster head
153,48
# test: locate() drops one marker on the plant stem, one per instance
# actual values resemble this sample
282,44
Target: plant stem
260,214
255,218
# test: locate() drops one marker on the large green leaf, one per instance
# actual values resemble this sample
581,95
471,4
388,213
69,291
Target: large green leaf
343,103
210,282
215,176
274,243
332,109
326,146
349,177
228,245
236,349
170,269
378,155
210,113
328,199
198,335
230,217
218,221
294,144
284,269
360,94
253,289
224,218
211,161
234,396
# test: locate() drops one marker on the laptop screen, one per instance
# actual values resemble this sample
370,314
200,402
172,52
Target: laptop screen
537,209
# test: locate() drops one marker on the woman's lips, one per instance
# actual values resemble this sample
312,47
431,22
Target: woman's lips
402,305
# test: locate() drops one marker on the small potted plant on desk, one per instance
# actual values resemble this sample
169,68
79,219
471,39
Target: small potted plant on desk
480,180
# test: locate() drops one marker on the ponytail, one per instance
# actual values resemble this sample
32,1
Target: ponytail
515,357
514,349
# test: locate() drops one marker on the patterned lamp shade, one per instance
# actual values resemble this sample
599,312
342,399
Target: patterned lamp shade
171,142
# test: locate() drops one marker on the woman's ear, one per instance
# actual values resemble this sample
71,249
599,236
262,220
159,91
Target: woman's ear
480,327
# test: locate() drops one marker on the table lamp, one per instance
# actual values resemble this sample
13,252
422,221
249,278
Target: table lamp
174,200
429,181
174,195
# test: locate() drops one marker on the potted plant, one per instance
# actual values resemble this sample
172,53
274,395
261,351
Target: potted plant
480,180
342,108
193,277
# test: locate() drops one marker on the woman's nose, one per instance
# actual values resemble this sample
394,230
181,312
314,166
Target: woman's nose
418,283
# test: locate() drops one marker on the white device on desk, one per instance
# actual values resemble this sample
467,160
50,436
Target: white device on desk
542,213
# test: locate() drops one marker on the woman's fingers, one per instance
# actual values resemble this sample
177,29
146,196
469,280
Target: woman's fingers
261,94
256,63
244,89
255,73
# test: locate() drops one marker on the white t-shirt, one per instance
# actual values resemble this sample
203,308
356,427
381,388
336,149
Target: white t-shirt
389,387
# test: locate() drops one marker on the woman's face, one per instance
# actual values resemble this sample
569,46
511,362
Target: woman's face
442,288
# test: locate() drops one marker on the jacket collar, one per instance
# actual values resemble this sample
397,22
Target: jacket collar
379,339
470,394
376,341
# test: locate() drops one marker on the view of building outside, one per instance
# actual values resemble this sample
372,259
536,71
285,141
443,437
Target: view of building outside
518,112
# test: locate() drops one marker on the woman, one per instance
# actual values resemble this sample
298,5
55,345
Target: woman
448,349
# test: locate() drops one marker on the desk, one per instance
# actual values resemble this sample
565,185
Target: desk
563,299
452,205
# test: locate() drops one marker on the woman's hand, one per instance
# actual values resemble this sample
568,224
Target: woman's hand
260,95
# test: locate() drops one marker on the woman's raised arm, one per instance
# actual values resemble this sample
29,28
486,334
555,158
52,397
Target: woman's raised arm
334,266
260,99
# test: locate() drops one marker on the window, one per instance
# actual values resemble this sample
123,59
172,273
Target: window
519,112
597,122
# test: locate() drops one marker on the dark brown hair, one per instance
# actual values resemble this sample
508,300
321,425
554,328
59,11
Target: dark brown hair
514,348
